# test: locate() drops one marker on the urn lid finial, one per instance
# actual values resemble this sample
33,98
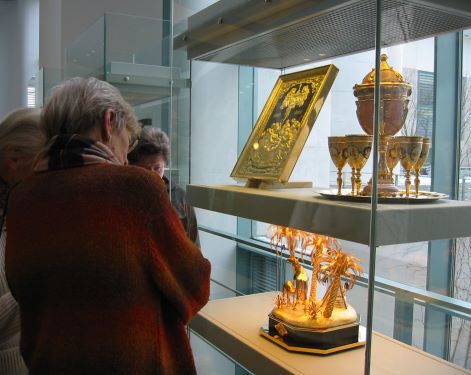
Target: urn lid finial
389,78
387,75
394,99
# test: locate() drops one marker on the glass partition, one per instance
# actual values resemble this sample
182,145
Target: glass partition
85,56
130,52
118,38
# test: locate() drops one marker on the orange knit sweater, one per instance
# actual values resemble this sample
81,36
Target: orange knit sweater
104,273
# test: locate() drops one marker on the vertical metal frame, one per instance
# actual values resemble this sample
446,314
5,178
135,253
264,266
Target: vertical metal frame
246,105
105,47
245,114
374,192
447,114
165,116
176,114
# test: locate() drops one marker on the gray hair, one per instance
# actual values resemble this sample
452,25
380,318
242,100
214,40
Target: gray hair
20,133
78,105
152,141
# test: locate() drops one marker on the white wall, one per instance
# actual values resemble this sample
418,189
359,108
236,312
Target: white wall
19,45
214,116
50,37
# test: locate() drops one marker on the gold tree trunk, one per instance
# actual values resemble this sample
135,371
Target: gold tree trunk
315,271
291,244
330,297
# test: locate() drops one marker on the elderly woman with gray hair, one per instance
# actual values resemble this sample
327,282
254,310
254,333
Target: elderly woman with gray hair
152,152
96,256
20,140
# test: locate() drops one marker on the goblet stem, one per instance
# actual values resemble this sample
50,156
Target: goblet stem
383,167
339,181
353,181
408,182
417,182
358,181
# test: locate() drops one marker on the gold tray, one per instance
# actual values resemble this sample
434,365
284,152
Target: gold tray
279,341
346,195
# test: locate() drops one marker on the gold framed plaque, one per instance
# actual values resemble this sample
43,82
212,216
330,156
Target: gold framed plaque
281,131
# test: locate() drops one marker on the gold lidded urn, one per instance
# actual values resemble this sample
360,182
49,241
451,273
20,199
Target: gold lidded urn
394,94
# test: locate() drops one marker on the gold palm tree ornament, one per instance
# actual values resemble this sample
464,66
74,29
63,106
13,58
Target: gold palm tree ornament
338,265
324,325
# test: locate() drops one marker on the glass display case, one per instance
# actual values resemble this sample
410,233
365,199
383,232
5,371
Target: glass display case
414,297
133,54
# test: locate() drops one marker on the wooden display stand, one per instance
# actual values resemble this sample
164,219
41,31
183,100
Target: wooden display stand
261,184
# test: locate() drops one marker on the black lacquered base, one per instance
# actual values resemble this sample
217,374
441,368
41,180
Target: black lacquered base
317,341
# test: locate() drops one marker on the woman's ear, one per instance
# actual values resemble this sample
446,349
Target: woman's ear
107,125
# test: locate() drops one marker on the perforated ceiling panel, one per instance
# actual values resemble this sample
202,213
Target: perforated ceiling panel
346,27
404,21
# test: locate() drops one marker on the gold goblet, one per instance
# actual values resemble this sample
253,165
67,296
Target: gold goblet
408,150
391,157
339,154
359,149
420,163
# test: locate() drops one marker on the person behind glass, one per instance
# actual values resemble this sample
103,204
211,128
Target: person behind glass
152,152
21,139
91,252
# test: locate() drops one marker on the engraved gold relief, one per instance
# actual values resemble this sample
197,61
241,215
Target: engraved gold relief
284,125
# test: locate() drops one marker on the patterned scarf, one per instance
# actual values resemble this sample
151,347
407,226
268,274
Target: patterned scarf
72,150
